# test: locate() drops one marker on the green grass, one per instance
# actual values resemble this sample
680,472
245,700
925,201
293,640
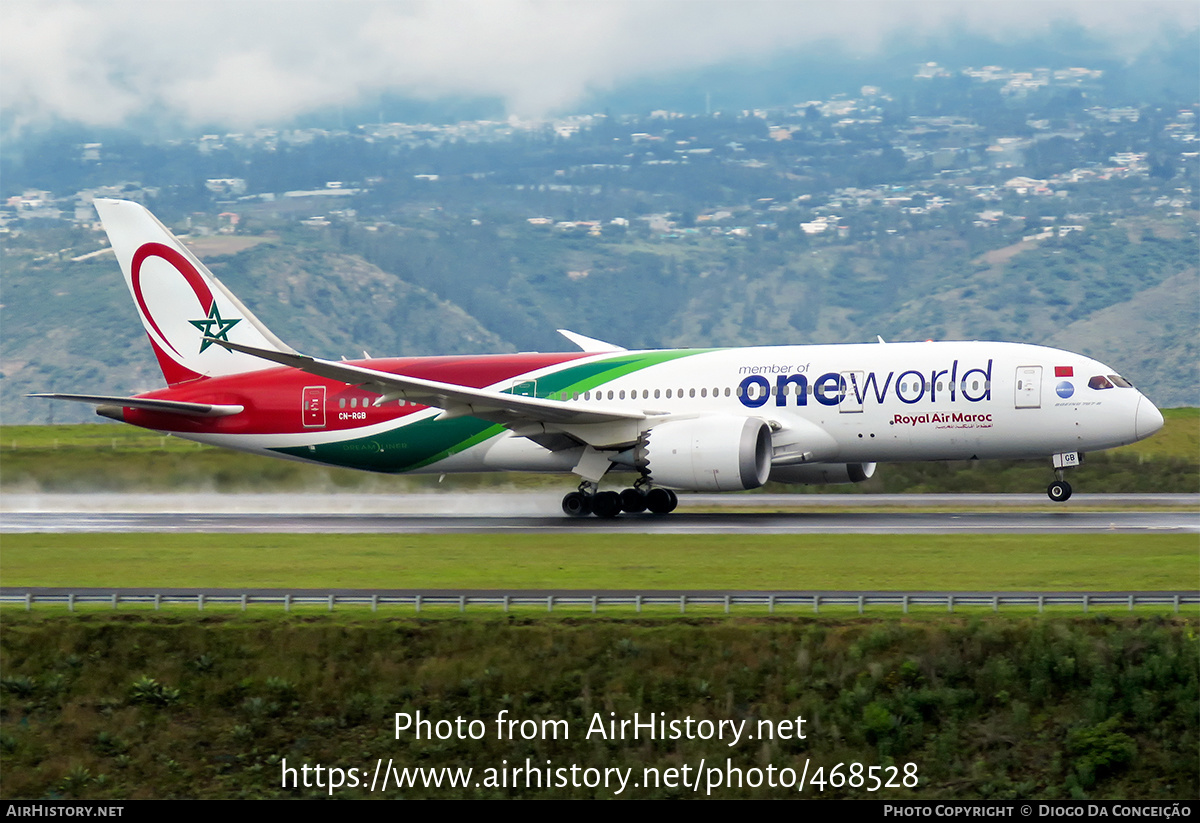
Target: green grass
1179,437
104,436
113,457
578,561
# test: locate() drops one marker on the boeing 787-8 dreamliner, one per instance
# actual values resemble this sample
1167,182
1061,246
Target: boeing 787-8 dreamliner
719,419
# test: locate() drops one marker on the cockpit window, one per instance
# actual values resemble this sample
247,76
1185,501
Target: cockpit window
1099,382
1118,380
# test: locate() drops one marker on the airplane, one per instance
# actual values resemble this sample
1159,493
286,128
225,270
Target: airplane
716,419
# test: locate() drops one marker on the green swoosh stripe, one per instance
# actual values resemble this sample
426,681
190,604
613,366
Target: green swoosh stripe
425,442
587,376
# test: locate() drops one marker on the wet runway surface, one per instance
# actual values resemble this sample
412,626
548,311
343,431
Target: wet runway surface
518,513
731,522
539,502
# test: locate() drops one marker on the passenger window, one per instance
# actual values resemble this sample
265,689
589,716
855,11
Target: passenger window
1099,382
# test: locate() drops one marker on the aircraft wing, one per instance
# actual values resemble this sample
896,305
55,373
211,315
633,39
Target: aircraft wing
456,401
169,406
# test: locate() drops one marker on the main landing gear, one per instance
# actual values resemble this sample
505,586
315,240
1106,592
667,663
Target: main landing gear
587,500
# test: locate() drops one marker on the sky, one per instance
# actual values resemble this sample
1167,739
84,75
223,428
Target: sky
248,63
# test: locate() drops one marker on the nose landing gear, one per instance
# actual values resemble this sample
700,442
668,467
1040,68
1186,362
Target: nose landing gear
1060,490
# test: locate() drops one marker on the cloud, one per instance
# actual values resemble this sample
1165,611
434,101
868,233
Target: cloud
257,62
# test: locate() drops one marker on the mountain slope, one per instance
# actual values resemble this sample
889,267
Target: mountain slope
71,326
1152,338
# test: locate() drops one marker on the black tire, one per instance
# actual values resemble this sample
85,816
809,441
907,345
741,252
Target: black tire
606,504
633,501
1059,491
661,501
577,504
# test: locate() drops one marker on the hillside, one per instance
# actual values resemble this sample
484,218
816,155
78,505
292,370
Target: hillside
72,327
1126,295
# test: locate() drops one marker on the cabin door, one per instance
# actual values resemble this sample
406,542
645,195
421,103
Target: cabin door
313,411
1029,387
852,392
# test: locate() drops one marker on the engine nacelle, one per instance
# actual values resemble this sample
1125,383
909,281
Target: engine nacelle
820,474
720,453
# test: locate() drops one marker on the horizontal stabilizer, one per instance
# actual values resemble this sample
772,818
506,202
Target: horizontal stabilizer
168,406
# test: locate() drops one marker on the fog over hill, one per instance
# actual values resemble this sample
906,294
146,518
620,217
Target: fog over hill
658,174
272,64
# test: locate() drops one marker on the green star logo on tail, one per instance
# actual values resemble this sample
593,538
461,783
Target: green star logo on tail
213,327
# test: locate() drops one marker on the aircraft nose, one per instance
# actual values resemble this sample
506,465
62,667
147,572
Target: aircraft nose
1148,419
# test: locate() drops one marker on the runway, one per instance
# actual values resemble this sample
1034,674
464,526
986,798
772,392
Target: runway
459,513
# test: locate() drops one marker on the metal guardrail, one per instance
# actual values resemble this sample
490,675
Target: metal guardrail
805,602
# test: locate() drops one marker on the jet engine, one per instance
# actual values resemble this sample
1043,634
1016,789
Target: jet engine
820,474
717,453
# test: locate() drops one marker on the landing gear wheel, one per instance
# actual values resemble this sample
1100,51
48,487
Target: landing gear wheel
661,501
577,504
606,504
1059,491
633,501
